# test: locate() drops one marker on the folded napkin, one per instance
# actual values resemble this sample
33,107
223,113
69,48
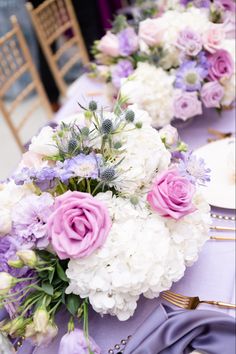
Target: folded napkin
168,331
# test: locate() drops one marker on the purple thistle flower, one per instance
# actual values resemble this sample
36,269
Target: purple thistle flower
194,168
121,70
29,217
128,41
190,76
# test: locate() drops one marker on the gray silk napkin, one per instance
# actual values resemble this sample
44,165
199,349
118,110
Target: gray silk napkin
168,331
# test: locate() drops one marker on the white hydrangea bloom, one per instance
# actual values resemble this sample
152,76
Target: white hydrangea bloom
151,89
143,254
137,169
10,195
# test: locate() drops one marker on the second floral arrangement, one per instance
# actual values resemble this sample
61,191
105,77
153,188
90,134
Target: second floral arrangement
173,65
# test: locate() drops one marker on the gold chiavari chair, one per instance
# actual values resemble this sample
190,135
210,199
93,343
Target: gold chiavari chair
15,62
51,20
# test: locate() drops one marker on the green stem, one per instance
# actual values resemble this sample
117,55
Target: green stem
88,186
96,188
86,330
54,308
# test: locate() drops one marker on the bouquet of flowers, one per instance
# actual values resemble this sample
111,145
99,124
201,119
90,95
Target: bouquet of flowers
173,65
102,209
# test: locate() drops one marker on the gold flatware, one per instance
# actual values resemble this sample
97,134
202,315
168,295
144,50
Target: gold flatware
219,134
223,228
191,303
218,238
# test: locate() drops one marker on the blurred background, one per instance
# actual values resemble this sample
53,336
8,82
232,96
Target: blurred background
94,17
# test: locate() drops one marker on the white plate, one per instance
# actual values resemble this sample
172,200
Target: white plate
220,158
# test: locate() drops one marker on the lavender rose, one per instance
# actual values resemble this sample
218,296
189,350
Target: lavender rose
171,195
75,342
128,41
109,45
78,226
190,42
187,105
212,93
220,65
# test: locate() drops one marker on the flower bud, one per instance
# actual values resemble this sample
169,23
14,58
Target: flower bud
41,319
6,283
28,257
16,326
17,263
182,147
41,338
169,135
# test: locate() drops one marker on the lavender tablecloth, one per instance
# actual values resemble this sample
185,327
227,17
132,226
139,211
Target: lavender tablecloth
212,277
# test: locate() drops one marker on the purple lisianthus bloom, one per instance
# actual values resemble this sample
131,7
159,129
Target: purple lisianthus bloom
212,93
74,342
121,70
128,41
189,41
29,217
85,166
189,76
194,168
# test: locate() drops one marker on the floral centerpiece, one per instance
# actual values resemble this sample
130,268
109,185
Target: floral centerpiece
101,210
173,65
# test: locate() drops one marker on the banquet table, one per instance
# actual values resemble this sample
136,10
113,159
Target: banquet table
212,277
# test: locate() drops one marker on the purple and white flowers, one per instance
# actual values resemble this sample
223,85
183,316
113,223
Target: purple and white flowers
72,222
195,50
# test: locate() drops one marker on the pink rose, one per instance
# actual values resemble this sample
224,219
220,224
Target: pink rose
151,31
212,93
78,226
220,65
109,44
172,195
187,105
213,37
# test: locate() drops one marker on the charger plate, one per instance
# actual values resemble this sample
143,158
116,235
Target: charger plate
220,158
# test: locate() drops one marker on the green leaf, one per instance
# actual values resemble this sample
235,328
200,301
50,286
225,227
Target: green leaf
72,303
51,275
47,288
61,273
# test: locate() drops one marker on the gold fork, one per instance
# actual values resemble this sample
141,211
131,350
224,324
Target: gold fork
191,303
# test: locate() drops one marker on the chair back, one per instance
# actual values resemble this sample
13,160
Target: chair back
55,23
16,61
